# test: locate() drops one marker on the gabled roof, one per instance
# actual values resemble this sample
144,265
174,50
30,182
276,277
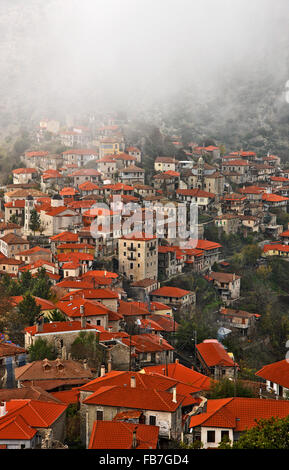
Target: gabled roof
31,392
49,370
223,277
196,192
13,239
43,303
146,399
16,428
278,373
147,343
65,237
270,197
213,354
37,414
10,349
181,373
91,308
118,435
168,291
239,413
59,327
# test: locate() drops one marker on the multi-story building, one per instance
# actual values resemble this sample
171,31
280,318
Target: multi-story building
138,257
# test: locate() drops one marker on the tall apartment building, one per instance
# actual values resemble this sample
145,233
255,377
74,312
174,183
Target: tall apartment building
138,257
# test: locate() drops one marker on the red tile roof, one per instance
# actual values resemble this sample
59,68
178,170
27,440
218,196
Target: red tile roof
181,373
65,237
146,399
214,354
16,428
38,414
168,291
58,327
118,435
91,308
269,197
239,413
278,373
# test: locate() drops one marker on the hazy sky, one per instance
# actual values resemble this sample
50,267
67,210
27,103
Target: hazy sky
124,50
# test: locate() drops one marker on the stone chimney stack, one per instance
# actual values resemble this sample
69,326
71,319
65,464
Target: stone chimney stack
132,382
174,395
39,325
102,371
82,316
134,440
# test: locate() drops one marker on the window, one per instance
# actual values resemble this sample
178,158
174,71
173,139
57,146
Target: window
210,436
99,415
98,322
224,435
152,421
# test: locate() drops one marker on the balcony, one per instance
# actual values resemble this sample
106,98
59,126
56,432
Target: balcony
131,248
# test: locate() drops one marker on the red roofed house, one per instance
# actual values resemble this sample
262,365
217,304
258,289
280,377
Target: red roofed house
60,334
158,407
85,174
12,244
53,375
214,359
197,196
173,296
227,284
229,417
32,424
239,321
94,312
277,378
23,175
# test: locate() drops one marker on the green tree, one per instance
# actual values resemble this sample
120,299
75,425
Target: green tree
226,388
40,350
29,310
41,285
272,433
34,223
86,346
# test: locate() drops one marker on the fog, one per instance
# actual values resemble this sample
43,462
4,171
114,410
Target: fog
70,55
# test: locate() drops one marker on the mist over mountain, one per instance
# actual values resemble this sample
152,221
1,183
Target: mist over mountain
219,66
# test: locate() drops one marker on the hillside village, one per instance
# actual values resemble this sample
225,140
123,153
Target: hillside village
140,339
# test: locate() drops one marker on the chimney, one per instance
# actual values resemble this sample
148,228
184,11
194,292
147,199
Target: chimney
83,321
2,408
174,395
177,361
102,370
134,440
132,382
85,364
39,325
164,370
